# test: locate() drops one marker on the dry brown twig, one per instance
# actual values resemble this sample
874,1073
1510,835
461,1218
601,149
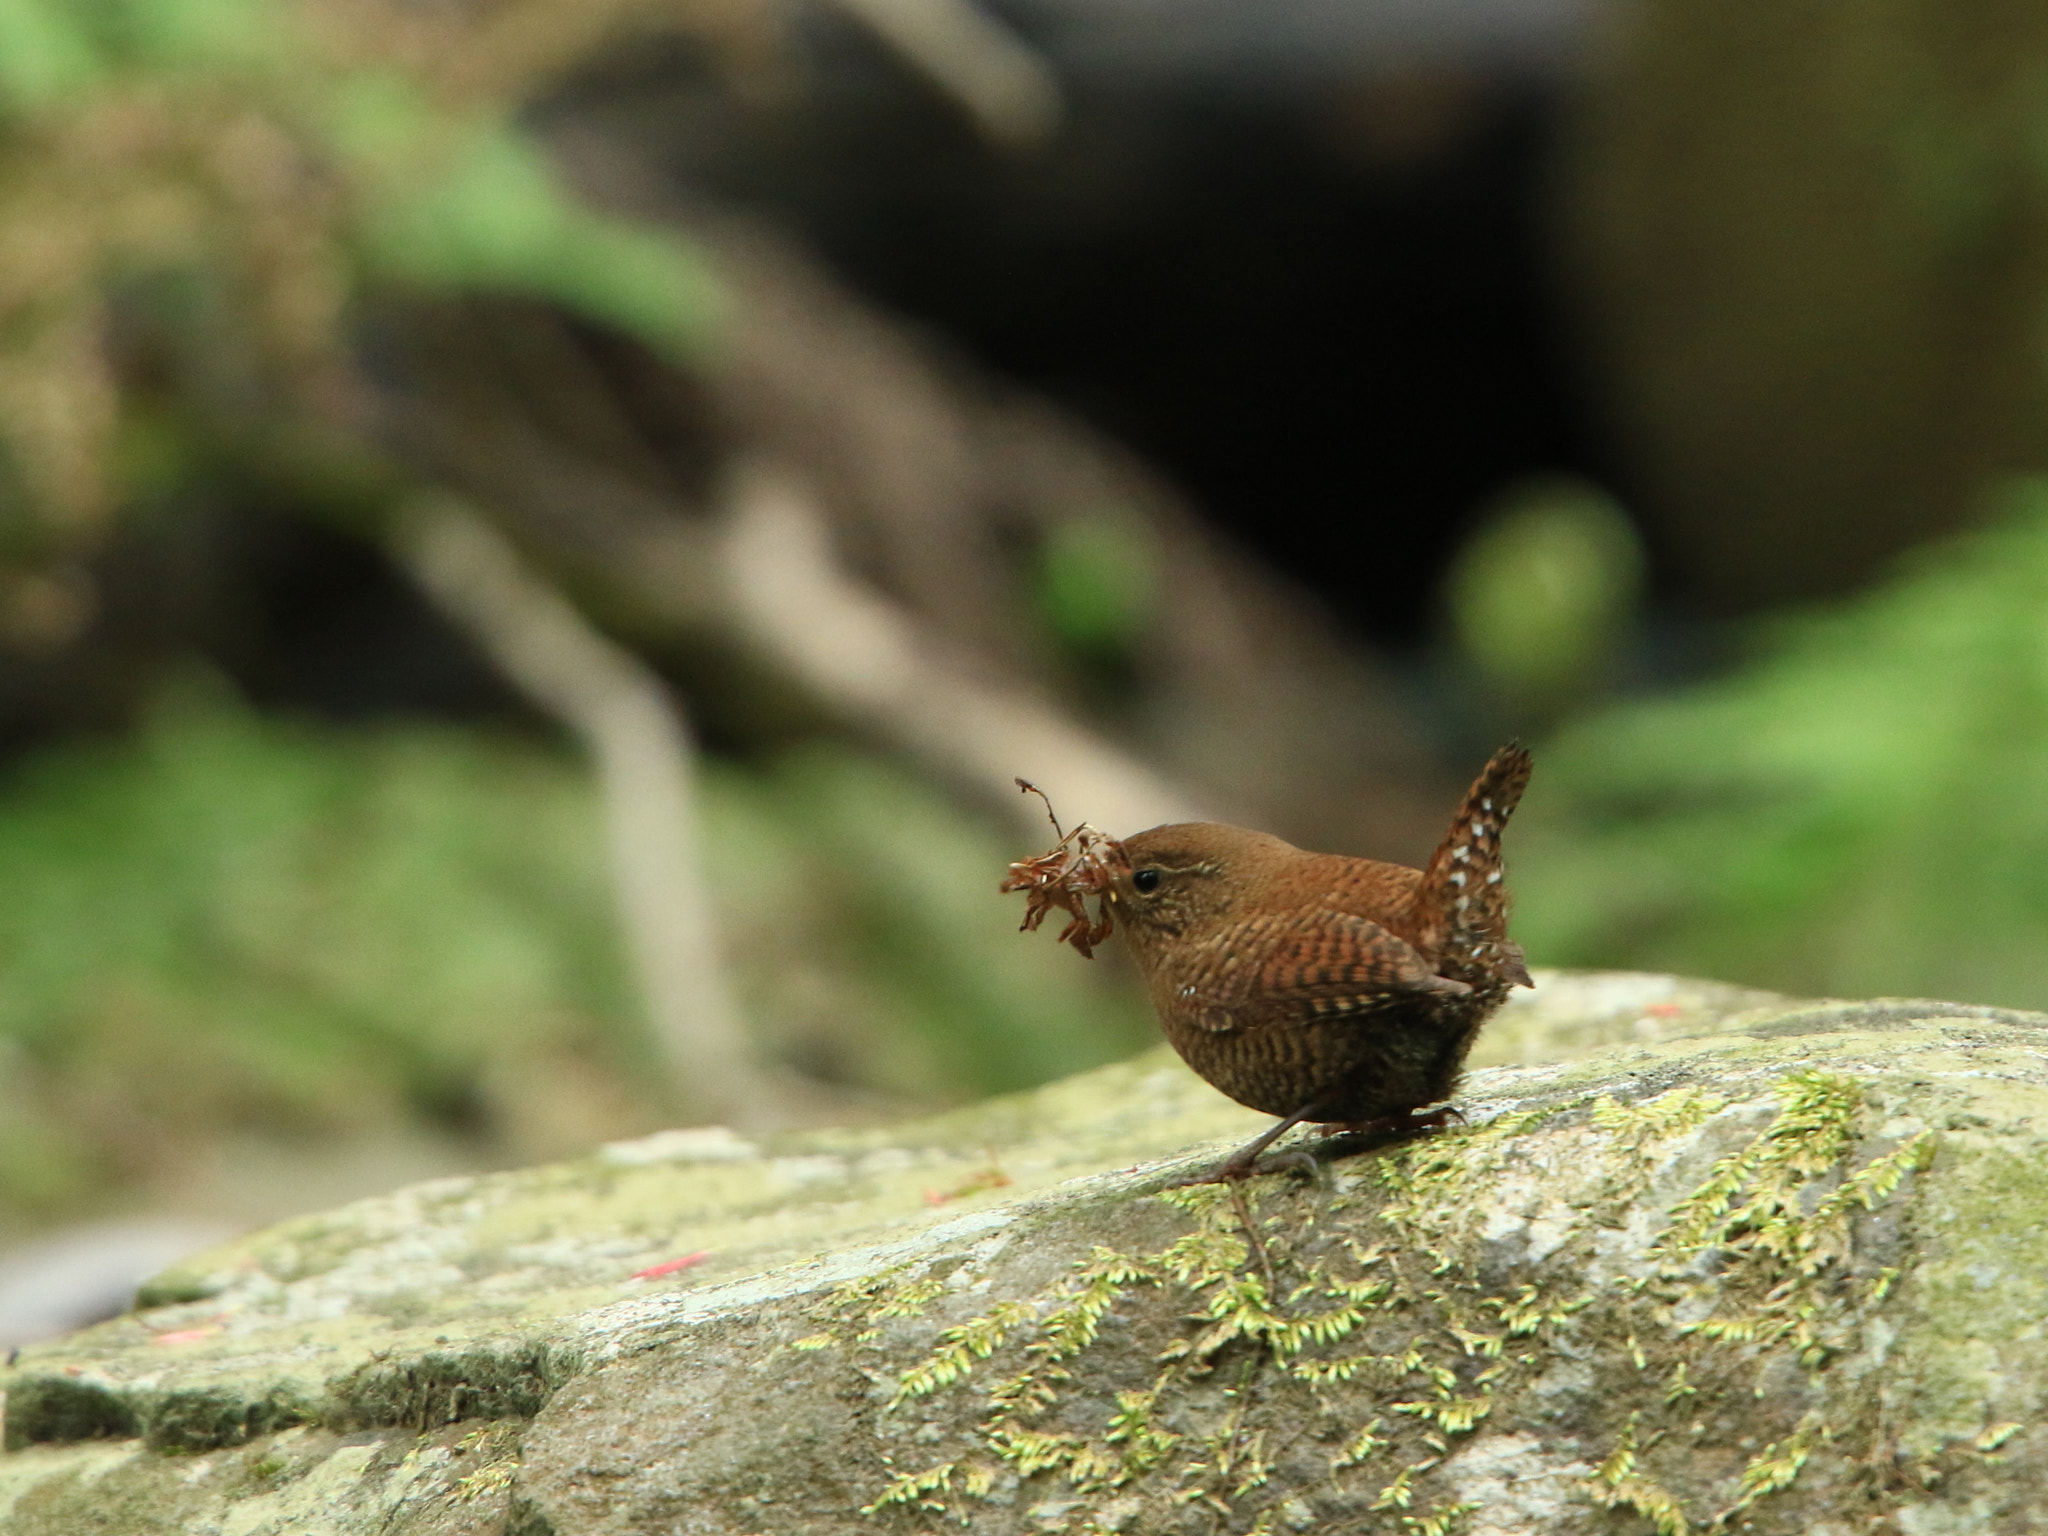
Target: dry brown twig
1079,866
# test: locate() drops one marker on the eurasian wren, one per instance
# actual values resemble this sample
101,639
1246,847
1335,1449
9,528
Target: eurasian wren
1317,987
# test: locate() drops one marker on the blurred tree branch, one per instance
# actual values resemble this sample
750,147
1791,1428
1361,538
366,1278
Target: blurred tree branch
1003,83
641,746
875,665
765,574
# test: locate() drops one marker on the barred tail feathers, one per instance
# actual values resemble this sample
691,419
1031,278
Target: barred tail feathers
1461,905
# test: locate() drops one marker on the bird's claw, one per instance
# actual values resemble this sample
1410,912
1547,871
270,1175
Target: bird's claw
1236,1169
1362,1135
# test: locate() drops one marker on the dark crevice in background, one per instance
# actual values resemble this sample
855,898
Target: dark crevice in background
297,616
327,623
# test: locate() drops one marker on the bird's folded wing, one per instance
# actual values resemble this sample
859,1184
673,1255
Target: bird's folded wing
1295,967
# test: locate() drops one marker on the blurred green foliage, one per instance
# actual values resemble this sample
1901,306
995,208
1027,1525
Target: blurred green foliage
453,203
1860,809
234,926
232,177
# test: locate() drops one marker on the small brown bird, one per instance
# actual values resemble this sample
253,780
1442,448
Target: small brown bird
1312,986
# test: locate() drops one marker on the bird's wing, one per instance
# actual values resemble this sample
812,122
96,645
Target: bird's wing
1295,967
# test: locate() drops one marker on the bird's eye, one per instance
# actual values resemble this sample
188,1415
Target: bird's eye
1145,881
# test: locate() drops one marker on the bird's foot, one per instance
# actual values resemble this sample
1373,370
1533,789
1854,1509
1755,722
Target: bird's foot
1408,1123
1238,1167
1244,1162
1362,1135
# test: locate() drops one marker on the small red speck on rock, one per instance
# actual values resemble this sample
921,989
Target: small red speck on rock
674,1266
988,1178
1664,1010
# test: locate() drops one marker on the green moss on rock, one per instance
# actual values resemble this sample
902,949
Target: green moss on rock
444,1386
64,1408
1355,1340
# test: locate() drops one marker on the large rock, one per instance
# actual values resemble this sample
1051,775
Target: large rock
1732,1260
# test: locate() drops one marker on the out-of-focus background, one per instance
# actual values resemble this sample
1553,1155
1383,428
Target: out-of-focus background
535,534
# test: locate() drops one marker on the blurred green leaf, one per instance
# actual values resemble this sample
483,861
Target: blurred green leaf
200,32
1098,580
1542,594
282,165
44,53
314,930
455,203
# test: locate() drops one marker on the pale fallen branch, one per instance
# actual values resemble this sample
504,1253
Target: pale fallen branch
635,733
868,660
1004,84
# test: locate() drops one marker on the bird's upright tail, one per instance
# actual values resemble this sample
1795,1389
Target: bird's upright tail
1461,909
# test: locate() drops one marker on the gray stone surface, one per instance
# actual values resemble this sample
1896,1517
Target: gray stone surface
1701,1258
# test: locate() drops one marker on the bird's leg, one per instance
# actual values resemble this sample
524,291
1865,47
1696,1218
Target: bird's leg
1240,1164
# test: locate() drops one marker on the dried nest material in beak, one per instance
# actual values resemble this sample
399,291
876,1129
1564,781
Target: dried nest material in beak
1080,865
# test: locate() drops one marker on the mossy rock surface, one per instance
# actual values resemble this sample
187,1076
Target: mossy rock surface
1725,1261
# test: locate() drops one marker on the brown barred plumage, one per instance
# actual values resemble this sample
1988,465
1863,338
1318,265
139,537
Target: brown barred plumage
1317,987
